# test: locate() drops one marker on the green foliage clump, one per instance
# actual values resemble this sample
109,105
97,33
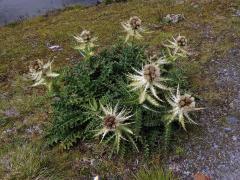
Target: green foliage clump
103,78
28,162
154,174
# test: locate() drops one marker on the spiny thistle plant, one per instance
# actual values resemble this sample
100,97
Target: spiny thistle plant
182,105
134,28
41,73
177,47
86,44
121,74
149,78
113,122
105,77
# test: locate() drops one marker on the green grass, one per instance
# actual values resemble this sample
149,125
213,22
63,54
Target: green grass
154,174
23,42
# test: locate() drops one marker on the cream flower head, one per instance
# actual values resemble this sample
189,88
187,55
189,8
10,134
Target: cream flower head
178,46
133,27
181,41
149,78
86,43
113,120
135,22
182,105
84,37
38,72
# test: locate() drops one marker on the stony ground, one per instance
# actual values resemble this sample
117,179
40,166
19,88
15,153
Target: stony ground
215,150
213,147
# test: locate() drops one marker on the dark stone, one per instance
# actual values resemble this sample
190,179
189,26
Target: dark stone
232,120
215,146
227,130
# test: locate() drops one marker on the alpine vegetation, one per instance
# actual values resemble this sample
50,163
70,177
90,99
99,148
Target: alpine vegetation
182,105
113,121
86,44
148,79
111,96
103,79
133,28
41,73
177,47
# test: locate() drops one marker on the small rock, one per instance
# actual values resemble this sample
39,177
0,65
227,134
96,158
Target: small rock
174,167
232,120
215,146
234,138
136,162
3,96
180,2
231,105
12,112
56,99
187,173
34,130
93,162
237,13
6,163
55,48
195,6
9,131
25,121
173,18
227,130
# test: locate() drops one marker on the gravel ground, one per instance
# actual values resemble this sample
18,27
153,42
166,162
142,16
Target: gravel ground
215,151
